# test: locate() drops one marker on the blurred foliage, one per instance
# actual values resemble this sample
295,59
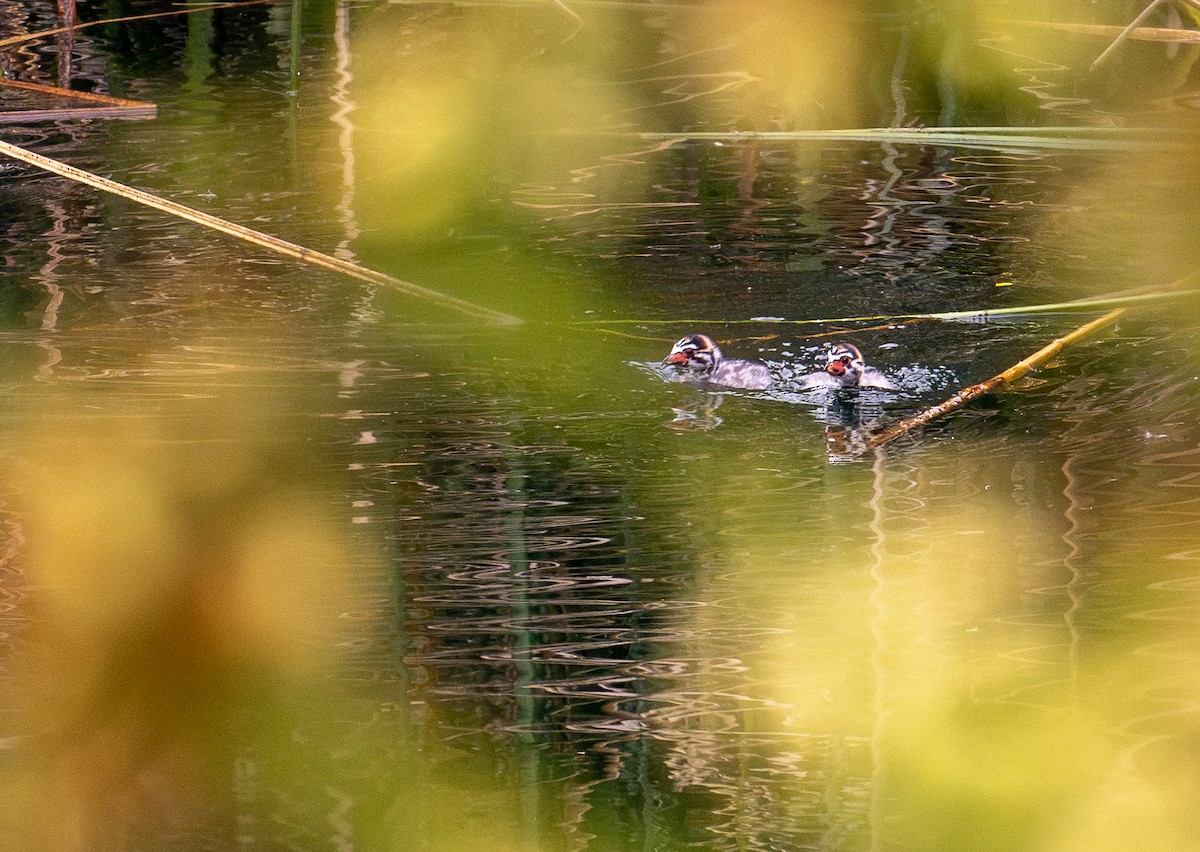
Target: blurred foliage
181,569
988,722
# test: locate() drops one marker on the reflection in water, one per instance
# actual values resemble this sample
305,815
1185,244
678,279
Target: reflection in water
850,419
698,414
341,117
734,645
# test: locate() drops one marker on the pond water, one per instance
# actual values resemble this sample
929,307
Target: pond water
295,561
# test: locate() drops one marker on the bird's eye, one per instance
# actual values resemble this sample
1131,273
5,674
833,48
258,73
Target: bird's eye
845,359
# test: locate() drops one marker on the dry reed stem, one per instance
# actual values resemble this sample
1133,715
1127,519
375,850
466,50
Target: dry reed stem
1016,371
1124,34
1151,34
249,235
100,105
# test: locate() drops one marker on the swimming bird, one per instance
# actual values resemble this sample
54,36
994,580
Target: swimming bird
845,368
700,360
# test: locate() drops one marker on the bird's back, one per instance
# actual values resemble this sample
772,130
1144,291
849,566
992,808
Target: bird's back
736,373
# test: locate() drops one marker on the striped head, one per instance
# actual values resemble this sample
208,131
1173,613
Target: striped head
845,363
696,353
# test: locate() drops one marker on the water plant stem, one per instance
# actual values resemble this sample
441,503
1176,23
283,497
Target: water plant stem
249,235
1096,303
1012,139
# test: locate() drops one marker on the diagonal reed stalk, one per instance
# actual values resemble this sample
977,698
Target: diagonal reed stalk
891,433
258,238
896,430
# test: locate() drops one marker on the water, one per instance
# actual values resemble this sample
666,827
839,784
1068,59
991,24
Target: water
292,561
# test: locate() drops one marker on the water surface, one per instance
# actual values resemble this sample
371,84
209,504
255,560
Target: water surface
329,567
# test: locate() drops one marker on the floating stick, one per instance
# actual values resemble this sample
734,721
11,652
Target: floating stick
258,238
1016,371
